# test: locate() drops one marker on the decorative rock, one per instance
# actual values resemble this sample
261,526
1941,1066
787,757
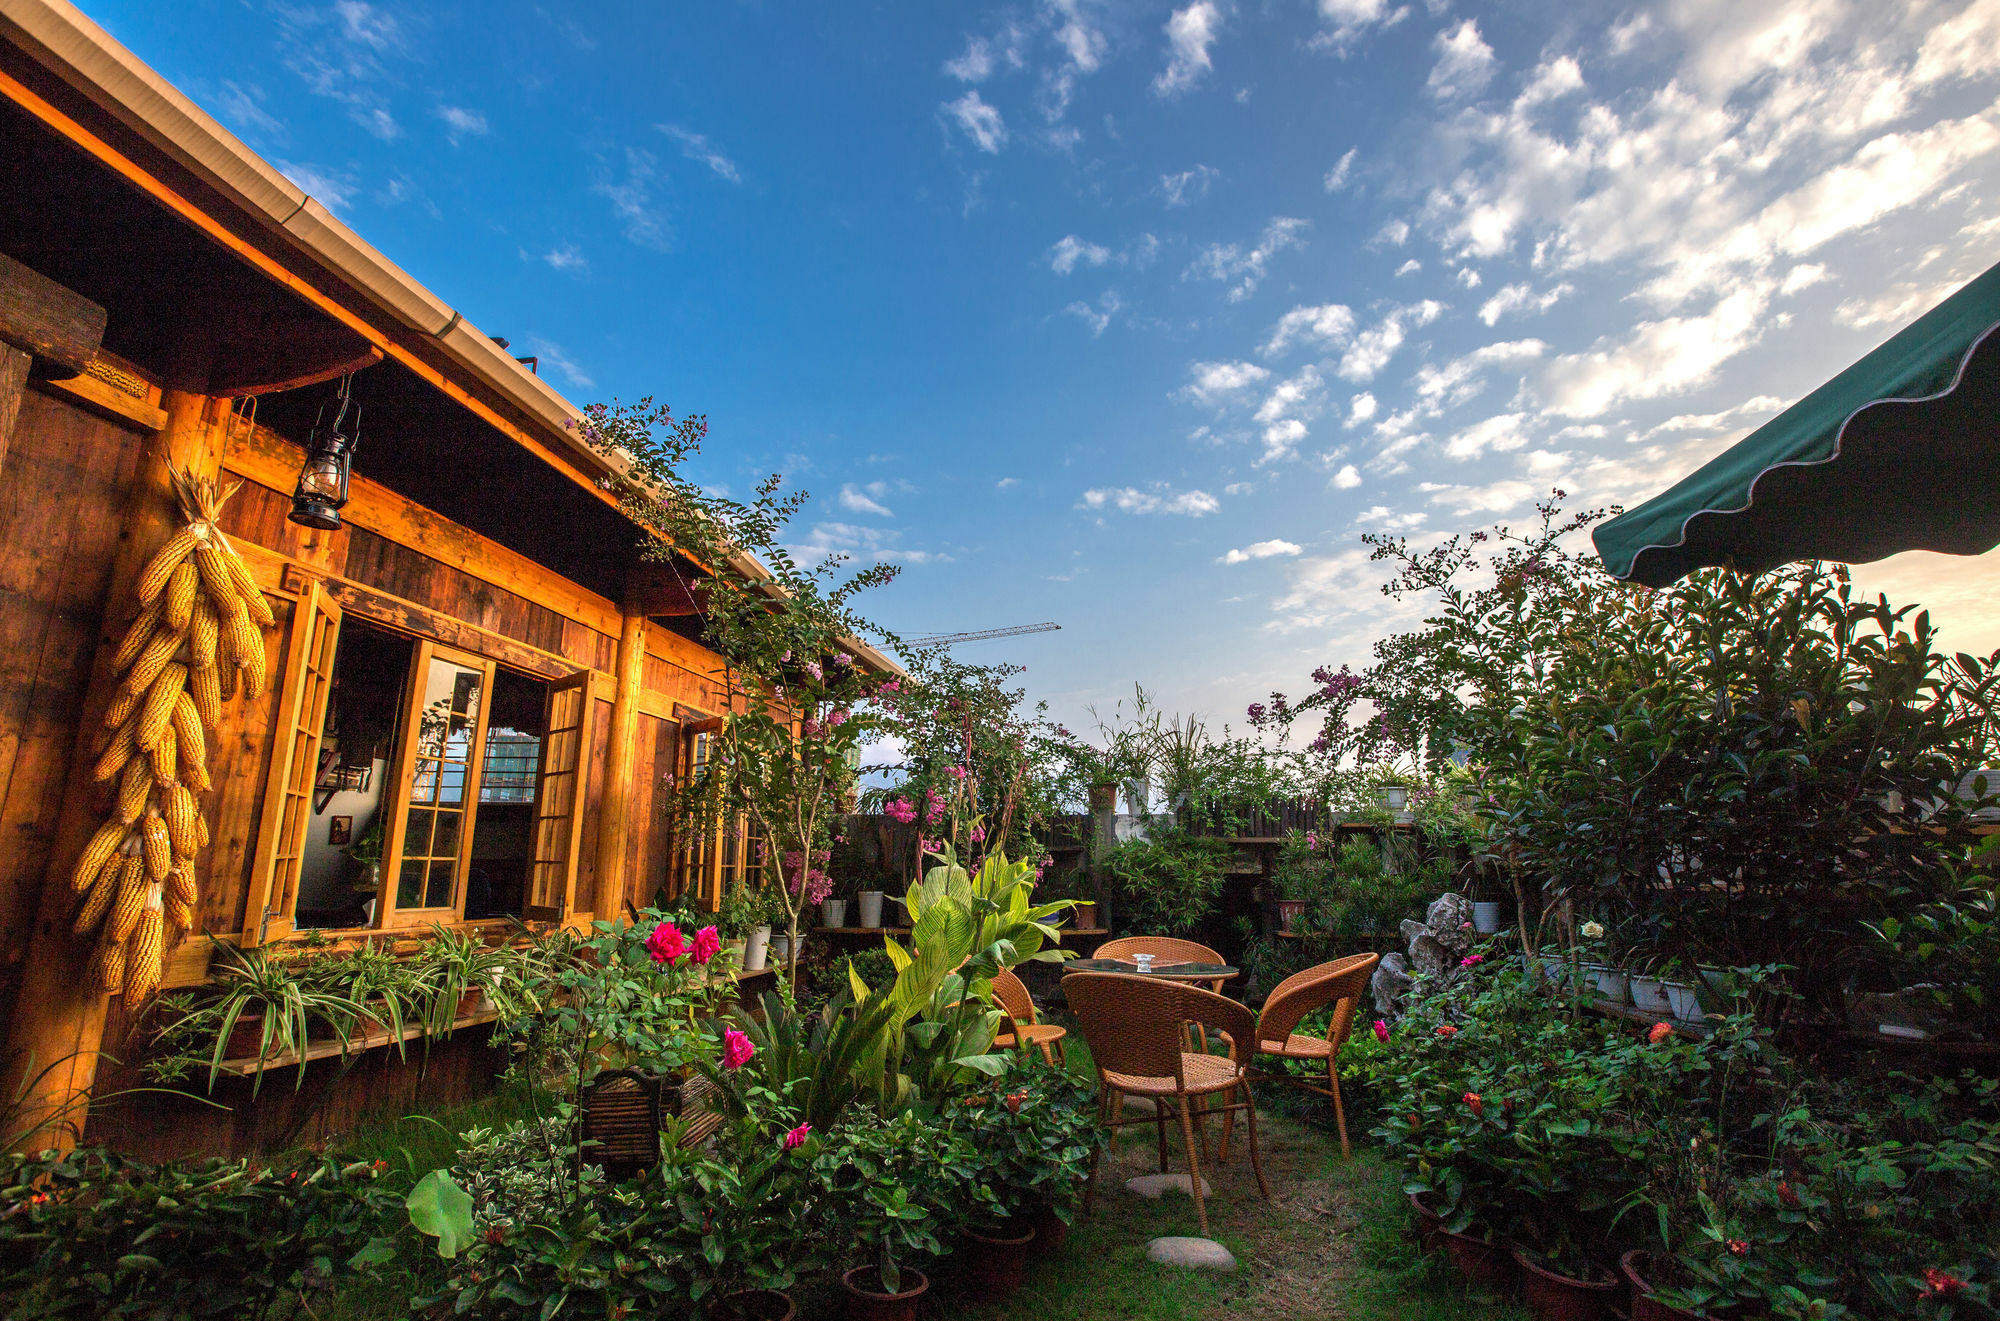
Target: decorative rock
1435,946
1143,1104
1200,1254
1156,1186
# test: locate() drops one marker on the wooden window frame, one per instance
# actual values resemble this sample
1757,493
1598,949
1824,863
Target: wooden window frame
390,916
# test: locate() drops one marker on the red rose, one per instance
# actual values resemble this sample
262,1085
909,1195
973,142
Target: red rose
1937,1284
1478,1106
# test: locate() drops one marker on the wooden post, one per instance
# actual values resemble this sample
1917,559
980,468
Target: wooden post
614,823
14,366
58,1023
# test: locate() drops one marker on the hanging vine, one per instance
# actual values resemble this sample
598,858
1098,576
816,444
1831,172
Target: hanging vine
195,643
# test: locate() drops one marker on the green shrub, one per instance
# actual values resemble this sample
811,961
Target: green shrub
1167,882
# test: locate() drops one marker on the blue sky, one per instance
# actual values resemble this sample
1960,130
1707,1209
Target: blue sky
1134,316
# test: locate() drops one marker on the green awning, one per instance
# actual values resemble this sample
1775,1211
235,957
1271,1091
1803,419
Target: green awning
1899,452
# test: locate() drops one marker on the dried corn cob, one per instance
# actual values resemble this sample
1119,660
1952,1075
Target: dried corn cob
180,916
137,636
182,586
168,558
159,845
246,584
107,968
159,654
98,901
245,645
156,716
225,678
202,630
133,788
182,815
166,761
200,831
181,884
122,747
101,846
205,690
187,728
123,704
143,951
130,901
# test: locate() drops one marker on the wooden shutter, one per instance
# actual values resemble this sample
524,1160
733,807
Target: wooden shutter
701,859
558,833
432,793
288,789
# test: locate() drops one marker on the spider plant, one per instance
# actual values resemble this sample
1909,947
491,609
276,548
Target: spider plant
453,963
382,984
283,995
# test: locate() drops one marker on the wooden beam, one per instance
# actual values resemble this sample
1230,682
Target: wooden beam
614,830
107,384
43,319
58,1023
268,459
14,366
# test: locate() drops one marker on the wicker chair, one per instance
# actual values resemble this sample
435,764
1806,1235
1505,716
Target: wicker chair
1136,1027
1164,949
1340,984
1022,1028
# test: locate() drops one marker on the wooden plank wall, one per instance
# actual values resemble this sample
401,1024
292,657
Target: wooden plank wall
62,497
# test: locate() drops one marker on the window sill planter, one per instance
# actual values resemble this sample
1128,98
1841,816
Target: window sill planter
996,1262
1479,1261
1553,1297
1649,994
247,1065
865,1304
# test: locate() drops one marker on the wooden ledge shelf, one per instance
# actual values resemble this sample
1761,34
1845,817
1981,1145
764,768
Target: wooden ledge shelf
858,931
1695,1031
249,1066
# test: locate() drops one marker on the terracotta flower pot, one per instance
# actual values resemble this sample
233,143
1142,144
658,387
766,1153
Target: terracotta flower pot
865,1304
1553,1297
469,1003
759,1305
1479,1261
1103,797
1051,1230
1289,913
1086,914
1633,1266
997,1262
1429,1224
245,1037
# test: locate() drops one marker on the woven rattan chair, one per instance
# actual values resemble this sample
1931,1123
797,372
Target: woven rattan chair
1022,1027
1136,1029
1340,984
1164,949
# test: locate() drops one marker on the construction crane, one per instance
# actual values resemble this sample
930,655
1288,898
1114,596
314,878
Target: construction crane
953,639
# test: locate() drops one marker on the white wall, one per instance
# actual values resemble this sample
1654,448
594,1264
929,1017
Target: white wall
324,869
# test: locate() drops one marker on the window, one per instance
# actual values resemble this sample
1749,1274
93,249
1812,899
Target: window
414,783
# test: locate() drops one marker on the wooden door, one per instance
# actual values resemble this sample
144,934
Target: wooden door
288,789
559,799
435,787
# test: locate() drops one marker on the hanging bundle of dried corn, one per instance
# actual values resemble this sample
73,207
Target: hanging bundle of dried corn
195,642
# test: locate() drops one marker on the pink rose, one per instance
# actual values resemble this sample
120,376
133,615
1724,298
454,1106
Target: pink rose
666,944
1381,1030
1472,961
797,1137
707,944
736,1050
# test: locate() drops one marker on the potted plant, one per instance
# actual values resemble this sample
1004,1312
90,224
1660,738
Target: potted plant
833,912
382,984
869,906
367,855
745,916
456,971
1649,991
1554,1295
865,1173
258,1006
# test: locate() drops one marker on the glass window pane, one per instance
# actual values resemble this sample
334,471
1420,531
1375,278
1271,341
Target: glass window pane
417,838
409,884
445,844
439,895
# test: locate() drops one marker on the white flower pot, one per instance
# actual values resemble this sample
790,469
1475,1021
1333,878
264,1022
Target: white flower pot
1485,918
1614,986
871,908
781,950
833,912
756,947
1682,1001
1138,795
1650,995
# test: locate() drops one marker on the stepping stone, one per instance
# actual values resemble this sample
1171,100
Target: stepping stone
1156,1186
1200,1254
1142,1104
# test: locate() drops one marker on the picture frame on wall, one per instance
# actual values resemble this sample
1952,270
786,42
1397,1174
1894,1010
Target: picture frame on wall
340,830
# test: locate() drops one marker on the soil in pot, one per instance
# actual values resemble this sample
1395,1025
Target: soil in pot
1633,1266
1477,1260
865,1300
995,1262
1554,1297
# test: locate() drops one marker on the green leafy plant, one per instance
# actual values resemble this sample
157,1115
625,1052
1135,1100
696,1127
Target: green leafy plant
282,995
1167,881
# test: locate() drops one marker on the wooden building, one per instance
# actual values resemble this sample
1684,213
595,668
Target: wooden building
478,676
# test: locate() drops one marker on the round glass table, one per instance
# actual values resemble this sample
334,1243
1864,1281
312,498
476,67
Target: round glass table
1173,972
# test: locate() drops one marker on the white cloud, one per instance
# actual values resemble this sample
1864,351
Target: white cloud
1360,409
1188,185
1069,250
461,123
857,501
1336,178
1260,550
1285,411
552,355
1465,62
1098,317
1803,276
1215,380
1347,19
1006,483
1161,499
698,148
1895,306
1501,432
1657,358
1228,261
1763,405
1554,80
334,189
1396,233
1346,479
861,542
976,65
1516,297
1499,497
1371,350
979,121
1393,520
1190,33
566,257
632,199
1331,324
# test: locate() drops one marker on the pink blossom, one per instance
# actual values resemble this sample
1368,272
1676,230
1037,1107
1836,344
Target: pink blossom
812,668
666,944
1312,839
900,809
956,772
933,808
1472,960
819,886
890,688
842,659
736,1050
835,719
931,845
809,727
978,834
797,1137
707,944
1381,1030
